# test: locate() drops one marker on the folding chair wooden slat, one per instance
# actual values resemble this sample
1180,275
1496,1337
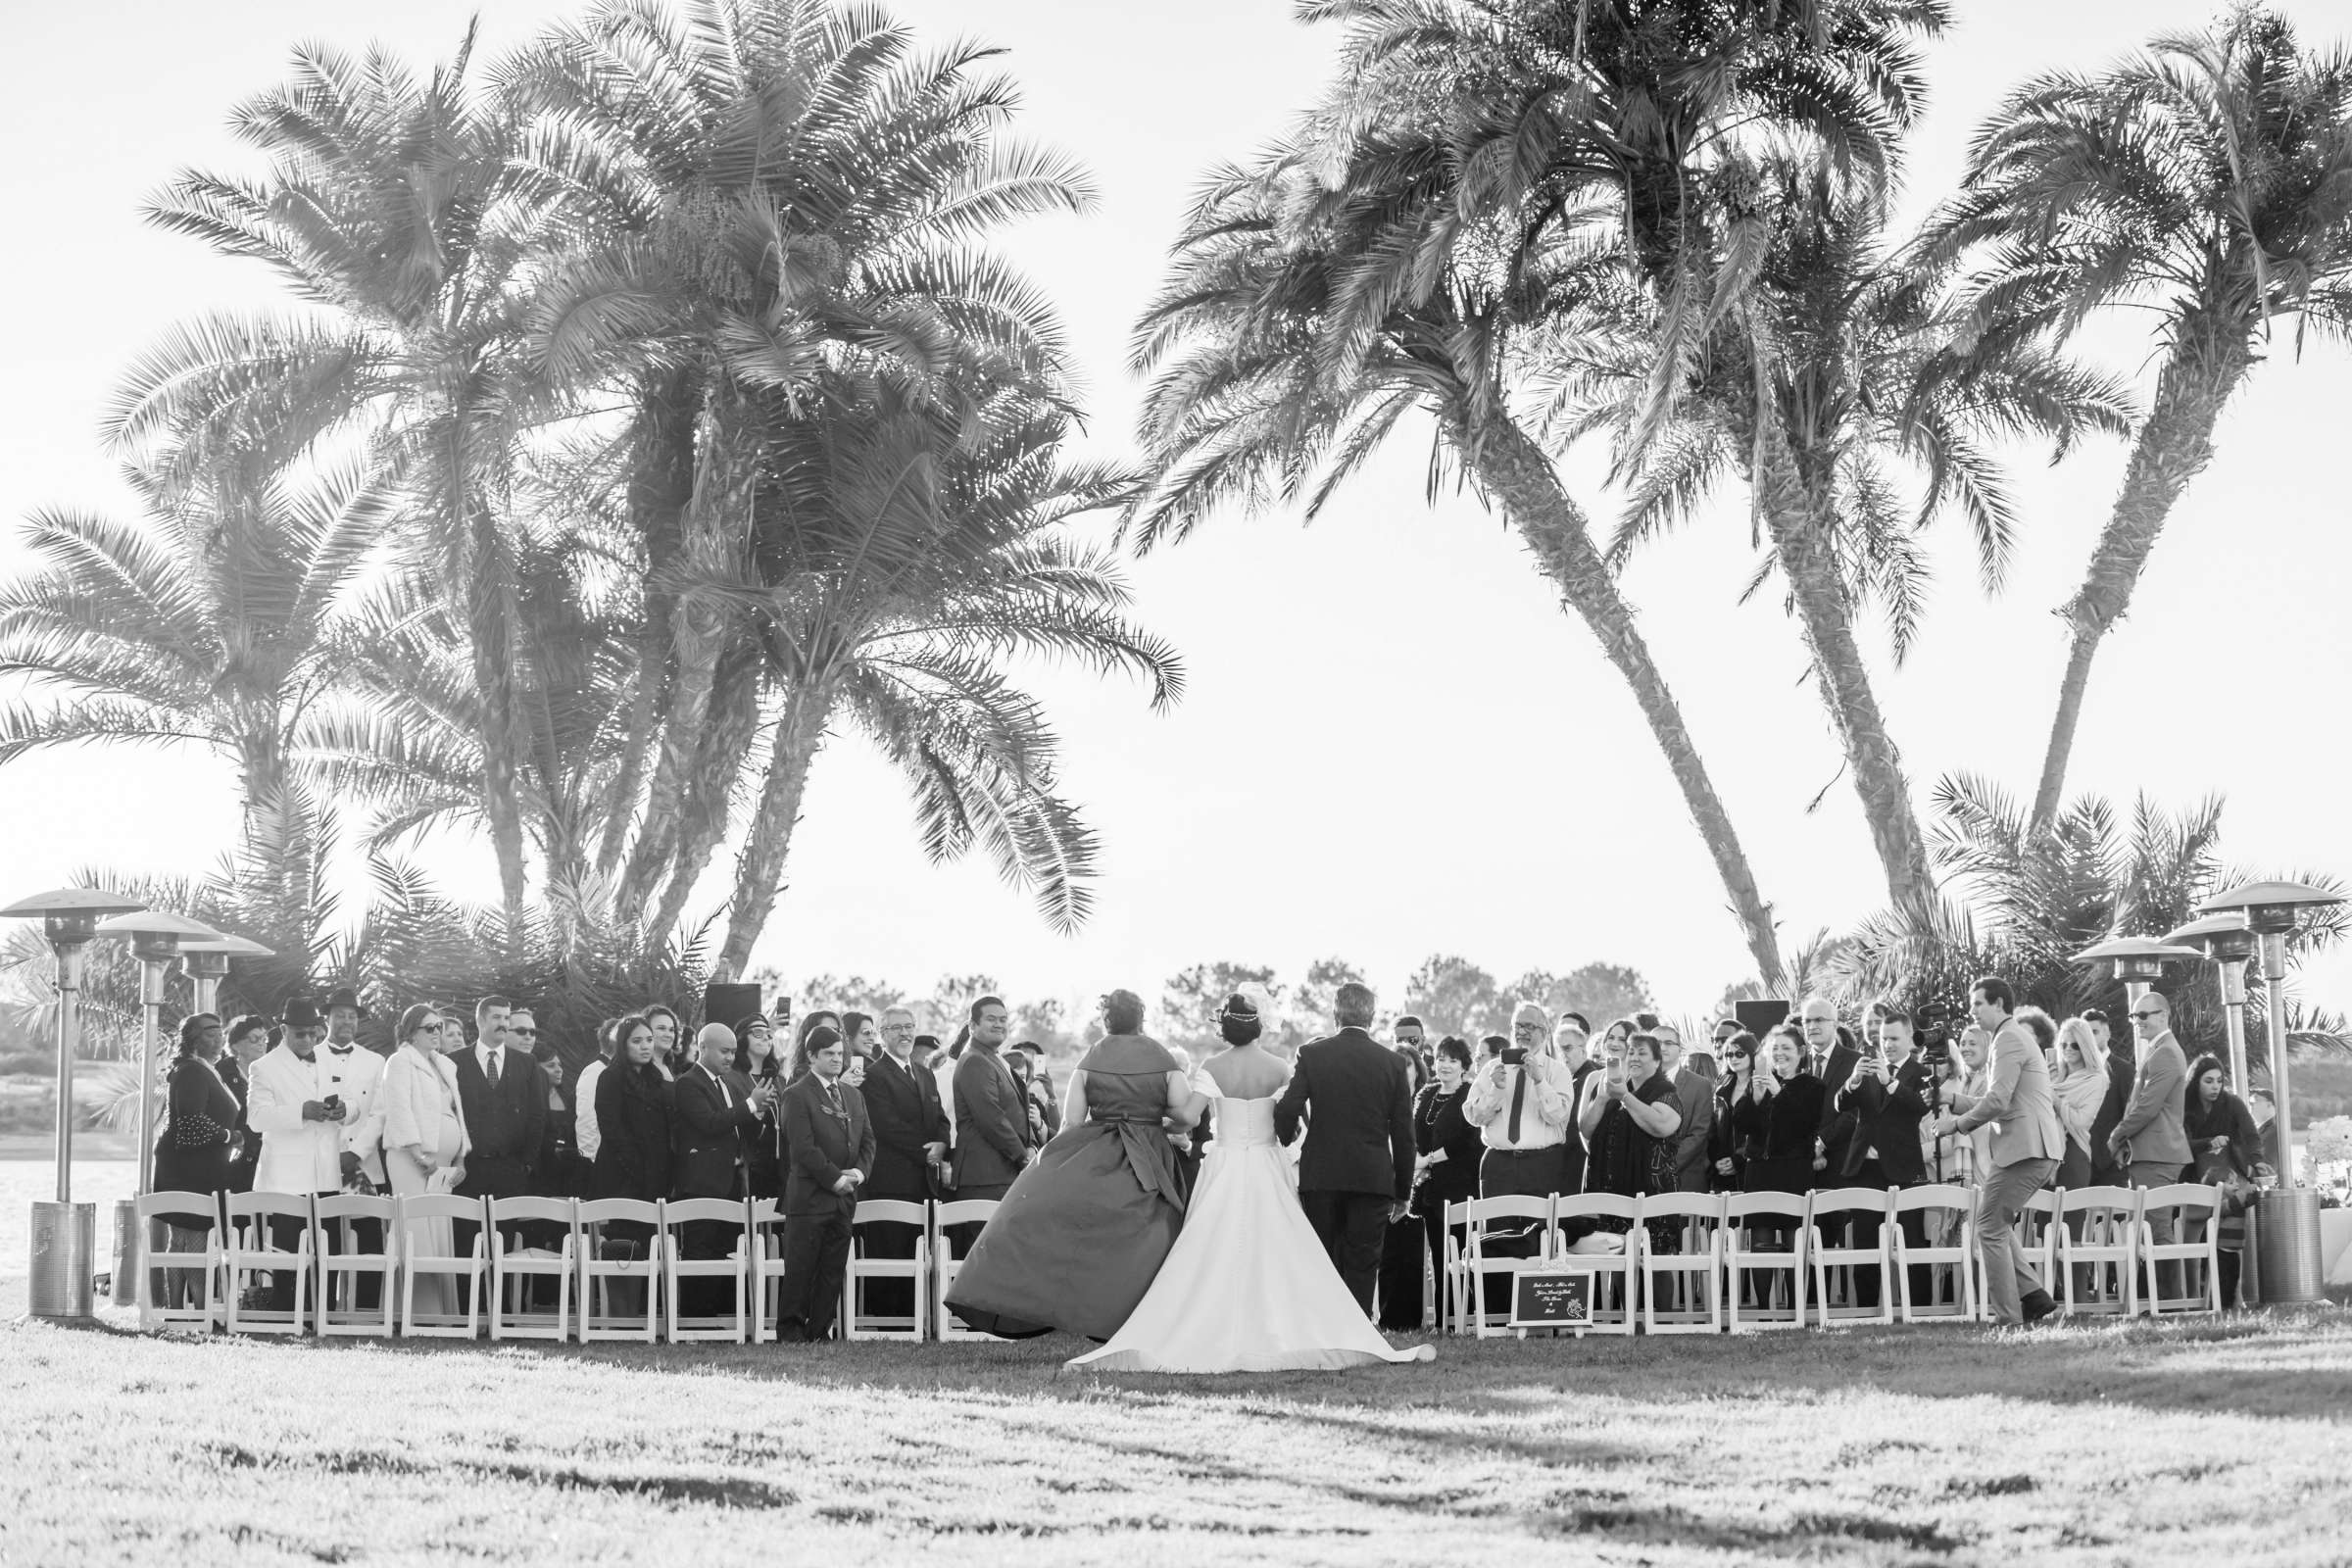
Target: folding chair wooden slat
1948,1254
2098,1240
1743,1259
248,1250
1616,1284
1689,1277
612,1266
1840,1268
856,1324
1481,1217
736,1267
945,1261
423,1259
2196,1248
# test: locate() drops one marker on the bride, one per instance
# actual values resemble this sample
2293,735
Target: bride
1248,1287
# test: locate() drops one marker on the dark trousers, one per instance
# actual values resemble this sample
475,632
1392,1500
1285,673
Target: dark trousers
1523,1174
1351,1226
1403,1247
816,1250
1433,1228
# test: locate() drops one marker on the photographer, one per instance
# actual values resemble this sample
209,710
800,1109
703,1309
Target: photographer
1884,1099
1520,1101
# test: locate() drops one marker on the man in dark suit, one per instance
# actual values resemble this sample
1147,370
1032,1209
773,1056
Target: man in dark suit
715,1111
1357,1165
503,1095
910,1136
1881,1105
992,1115
1830,1060
833,1147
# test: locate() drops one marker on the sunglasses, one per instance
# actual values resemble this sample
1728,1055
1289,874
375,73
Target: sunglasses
2148,1015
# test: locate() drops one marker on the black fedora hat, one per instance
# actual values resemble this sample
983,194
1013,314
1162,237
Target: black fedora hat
343,996
303,1013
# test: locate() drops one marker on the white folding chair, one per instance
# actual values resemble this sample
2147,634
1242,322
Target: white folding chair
1839,1269
514,1267
1454,1287
2196,1216
1948,1261
1615,1304
2037,1238
767,1267
342,1265
1682,1293
424,1219
251,1259
166,1272
1486,1221
945,1261
857,1324
736,1267
2097,1237
1749,1262
615,1270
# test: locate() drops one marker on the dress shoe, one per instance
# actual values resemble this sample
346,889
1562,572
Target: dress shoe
2037,1306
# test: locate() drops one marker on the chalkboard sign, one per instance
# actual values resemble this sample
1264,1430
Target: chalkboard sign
1551,1298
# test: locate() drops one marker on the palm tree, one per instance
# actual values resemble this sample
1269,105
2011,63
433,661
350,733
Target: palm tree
774,193
222,618
908,555
387,204
1245,408
1833,361
2208,179
2023,897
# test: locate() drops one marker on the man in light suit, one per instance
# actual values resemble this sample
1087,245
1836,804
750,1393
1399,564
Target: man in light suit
2150,1142
2026,1143
832,1144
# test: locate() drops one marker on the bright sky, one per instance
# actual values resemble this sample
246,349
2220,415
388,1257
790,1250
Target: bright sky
1395,743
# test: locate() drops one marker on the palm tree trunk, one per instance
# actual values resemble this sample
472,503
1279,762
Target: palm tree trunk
732,723
2212,356
1515,471
661,487
717,520
759,869
1825,612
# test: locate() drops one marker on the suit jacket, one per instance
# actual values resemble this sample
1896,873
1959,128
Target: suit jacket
1696,1093
2018,1102
354,1074
824,1143
992,1120
2123,1065
1360,1137
1886,1117
636,1118
504,1126
903,1104
1837,1129
2152,1121
297,1156
710,1120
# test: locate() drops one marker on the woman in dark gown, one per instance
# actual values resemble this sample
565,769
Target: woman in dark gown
1448,1149
1081,1235
1781,1118
248,1042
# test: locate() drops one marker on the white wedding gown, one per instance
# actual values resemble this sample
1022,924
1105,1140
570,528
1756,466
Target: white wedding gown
1248,1287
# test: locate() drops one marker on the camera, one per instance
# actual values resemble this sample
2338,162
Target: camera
1514,1056
1934,1022
334,1107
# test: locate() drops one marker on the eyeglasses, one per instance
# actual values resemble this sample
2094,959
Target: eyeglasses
2150,1014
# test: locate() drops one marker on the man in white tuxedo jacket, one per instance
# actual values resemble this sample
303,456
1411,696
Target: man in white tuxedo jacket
302,1140
353,1071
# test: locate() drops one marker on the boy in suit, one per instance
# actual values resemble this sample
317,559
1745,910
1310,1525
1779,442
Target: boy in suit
832,1144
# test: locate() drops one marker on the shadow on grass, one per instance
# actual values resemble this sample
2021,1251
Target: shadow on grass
2288,1364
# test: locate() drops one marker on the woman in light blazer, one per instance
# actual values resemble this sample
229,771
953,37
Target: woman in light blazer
425,1133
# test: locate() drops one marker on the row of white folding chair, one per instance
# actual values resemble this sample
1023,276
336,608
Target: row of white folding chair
1734,1268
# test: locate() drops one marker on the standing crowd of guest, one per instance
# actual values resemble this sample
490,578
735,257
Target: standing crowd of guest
848,1107
853,1107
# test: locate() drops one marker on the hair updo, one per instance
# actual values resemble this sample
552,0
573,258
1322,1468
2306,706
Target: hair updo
1238,1021
1123,1012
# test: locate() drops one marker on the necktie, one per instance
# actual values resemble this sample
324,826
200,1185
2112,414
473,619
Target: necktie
493,1072
1518,1103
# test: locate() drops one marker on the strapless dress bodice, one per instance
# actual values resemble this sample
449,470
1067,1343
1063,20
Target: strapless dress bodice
1245,1124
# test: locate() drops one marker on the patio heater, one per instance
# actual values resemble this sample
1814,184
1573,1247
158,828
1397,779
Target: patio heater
65,1233
2288,1262
206,961
2230,944
2138,962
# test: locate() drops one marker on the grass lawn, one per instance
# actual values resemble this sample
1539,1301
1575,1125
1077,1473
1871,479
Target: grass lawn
2217,1444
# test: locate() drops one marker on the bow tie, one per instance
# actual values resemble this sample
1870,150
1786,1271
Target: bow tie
341,1050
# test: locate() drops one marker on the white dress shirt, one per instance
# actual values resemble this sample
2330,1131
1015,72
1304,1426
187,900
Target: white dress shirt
586,1136
1543,1115
297,1156
354,1072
